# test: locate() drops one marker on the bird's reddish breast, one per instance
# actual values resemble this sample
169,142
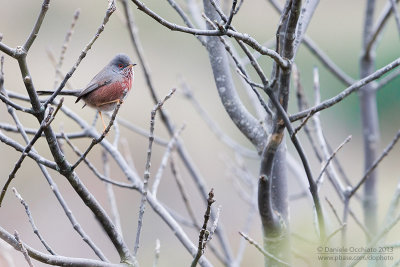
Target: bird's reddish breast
108,93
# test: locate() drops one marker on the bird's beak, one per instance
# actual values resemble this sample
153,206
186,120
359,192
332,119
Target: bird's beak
131,65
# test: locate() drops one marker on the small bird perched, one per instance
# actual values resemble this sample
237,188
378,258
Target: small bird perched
107,88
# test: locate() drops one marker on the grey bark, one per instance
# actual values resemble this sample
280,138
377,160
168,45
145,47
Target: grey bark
370,122
240,116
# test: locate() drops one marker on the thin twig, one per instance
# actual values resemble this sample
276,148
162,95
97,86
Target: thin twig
388,78
32,36
185,19
14,105
345,93
376,239
204,233
327,62
335,232
45,123
52,57
23,249
331,157
164,161
147,170
31,221
65,45
376,163
264,252
378,27
95,141
103,178
111,194
231,14
53,259
125,123
302,124
333,177
395,11
221,135
35,156
334,211
182,191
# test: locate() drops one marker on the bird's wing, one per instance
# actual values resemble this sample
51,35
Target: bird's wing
104,77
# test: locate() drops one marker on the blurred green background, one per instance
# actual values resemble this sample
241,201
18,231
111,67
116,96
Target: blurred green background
336,28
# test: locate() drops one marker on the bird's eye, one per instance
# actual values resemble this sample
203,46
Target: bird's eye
120,66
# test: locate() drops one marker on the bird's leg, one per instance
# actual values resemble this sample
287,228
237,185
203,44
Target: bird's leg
109,102
101,116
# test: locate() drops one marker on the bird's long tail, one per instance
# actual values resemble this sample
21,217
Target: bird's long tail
63,92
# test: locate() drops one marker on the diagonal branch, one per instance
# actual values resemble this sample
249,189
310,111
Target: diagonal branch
45,123
31,221
95,141
378,27
345,93
376,163
38,24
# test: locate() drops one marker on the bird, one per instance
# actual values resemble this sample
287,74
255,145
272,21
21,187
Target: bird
107,88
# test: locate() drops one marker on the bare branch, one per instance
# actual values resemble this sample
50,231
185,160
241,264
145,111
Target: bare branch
12,104
31,221
185,19
53,259
387,79
240,36
334,211
231,14
323,169
140,131
264,252
327,62
8,50
95,141
376,239
183,193
147,170
36,157
164,160
23,249
378,27
45,123
65,45
396,13
214,127
345,93
38,24
104,178
306,14
204,233
376,163
111,194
